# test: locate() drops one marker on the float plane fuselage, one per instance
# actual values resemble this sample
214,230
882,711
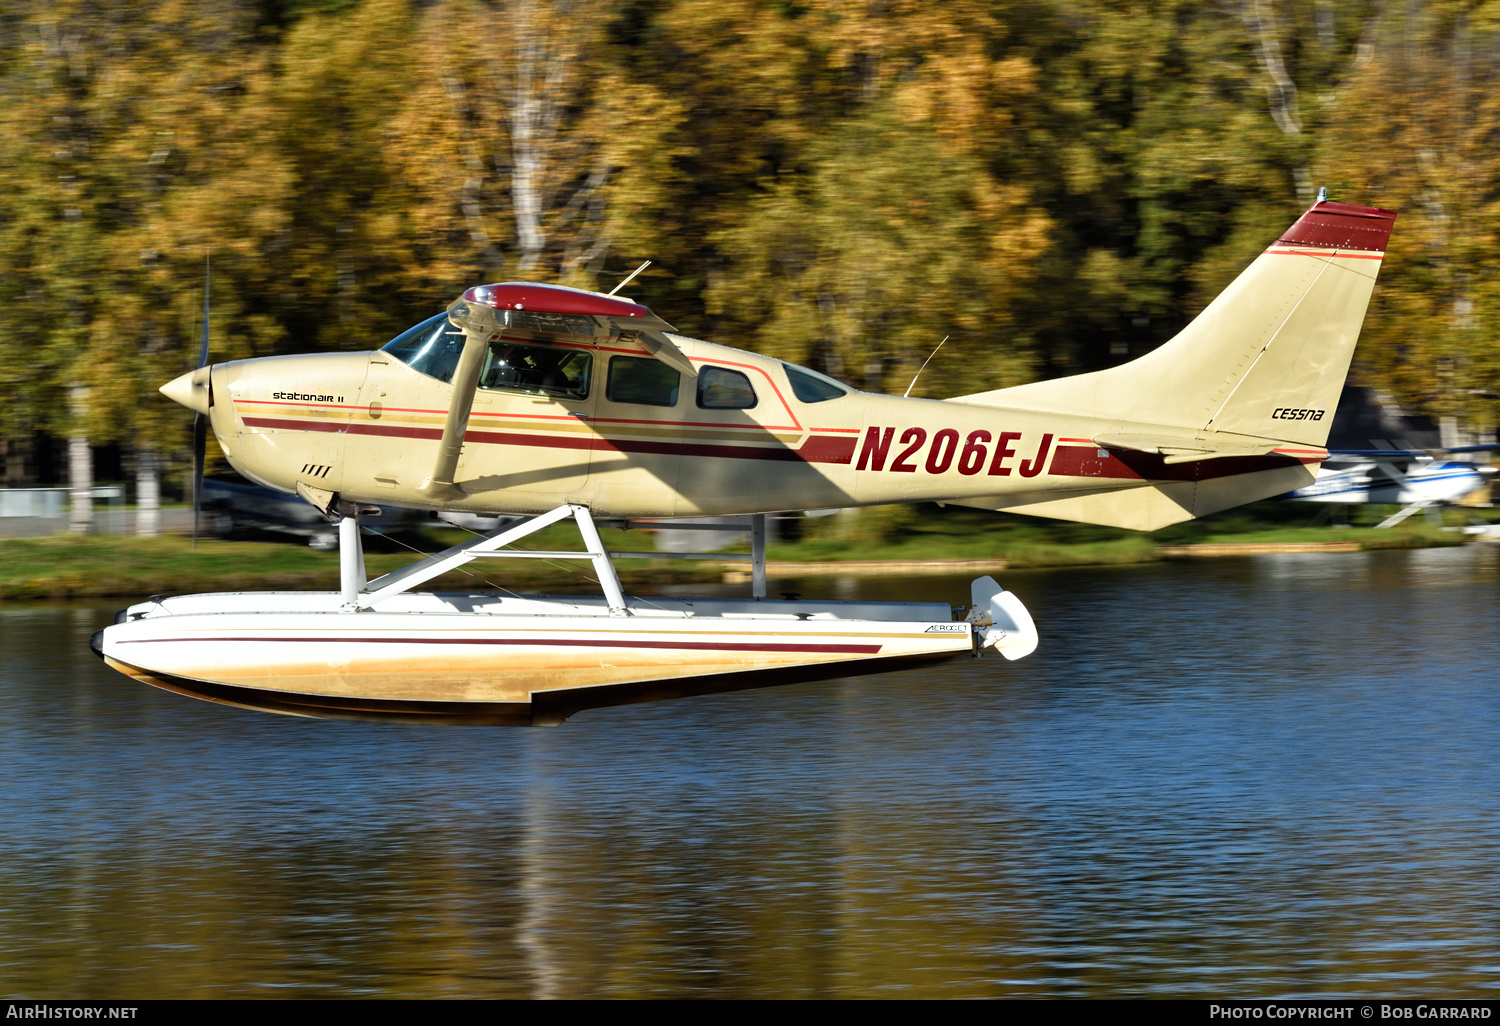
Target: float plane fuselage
524,397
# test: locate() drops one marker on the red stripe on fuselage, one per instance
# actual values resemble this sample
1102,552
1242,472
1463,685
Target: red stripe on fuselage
814,450
1125,464
332,426
561,418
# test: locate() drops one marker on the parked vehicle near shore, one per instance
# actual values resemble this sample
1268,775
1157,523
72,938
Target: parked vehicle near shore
230,507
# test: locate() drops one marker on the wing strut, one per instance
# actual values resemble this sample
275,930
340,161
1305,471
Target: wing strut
1402,514
465,382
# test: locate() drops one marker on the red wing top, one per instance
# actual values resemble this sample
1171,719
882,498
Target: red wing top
554,313
549,310
553,299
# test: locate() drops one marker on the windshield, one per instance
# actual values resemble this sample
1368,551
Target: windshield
432,347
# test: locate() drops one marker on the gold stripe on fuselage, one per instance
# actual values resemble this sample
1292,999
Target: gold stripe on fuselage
532,423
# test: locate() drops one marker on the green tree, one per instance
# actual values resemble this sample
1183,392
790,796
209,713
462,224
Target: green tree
1416,132
124,158
886,244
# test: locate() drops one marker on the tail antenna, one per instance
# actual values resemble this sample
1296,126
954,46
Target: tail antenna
920,369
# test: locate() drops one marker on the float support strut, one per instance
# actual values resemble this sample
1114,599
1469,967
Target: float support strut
494,545
351,562
609,581
758,555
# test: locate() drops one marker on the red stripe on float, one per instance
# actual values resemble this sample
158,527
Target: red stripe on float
707,646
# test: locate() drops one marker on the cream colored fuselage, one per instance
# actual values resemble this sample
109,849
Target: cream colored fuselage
1236,407
367,427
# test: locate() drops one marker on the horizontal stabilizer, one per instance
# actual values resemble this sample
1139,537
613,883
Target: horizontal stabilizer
1150,506
1186,448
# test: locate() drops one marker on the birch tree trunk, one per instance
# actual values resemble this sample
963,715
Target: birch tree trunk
147,493
81,485
532,115
1281,91
542,83
80,467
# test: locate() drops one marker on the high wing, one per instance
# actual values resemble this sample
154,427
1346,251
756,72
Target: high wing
1187,447
526,312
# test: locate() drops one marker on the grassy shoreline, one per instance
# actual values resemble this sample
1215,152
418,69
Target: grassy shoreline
99,566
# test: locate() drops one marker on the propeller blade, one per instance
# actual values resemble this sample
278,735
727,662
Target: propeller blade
200,445
203,345
200,422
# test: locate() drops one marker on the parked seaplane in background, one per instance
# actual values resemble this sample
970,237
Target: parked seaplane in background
1414,479
562,404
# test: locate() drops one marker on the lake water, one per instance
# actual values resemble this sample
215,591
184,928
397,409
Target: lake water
1258,777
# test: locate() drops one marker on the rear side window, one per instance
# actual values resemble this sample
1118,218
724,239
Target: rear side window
812,387
642,380
720,388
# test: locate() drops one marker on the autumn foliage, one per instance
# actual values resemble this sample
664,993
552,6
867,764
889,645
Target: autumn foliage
1053,186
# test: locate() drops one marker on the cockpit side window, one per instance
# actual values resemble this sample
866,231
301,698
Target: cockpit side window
812,387
643,380
537,370
432,347
720,388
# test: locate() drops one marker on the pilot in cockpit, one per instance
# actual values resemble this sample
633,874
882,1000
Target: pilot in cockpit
434,347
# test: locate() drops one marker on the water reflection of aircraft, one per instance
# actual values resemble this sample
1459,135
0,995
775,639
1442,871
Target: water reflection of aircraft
562,404
1414,479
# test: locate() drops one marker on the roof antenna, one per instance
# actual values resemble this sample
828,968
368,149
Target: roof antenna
628,278
1322,195
920,369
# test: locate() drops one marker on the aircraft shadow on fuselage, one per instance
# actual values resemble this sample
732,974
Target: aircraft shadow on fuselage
541,475
706,473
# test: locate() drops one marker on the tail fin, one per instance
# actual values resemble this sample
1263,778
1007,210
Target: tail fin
1266,360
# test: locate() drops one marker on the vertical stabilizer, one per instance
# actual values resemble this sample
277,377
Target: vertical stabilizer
1267,358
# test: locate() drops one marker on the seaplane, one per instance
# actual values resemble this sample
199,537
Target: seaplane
1415,479
556,404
